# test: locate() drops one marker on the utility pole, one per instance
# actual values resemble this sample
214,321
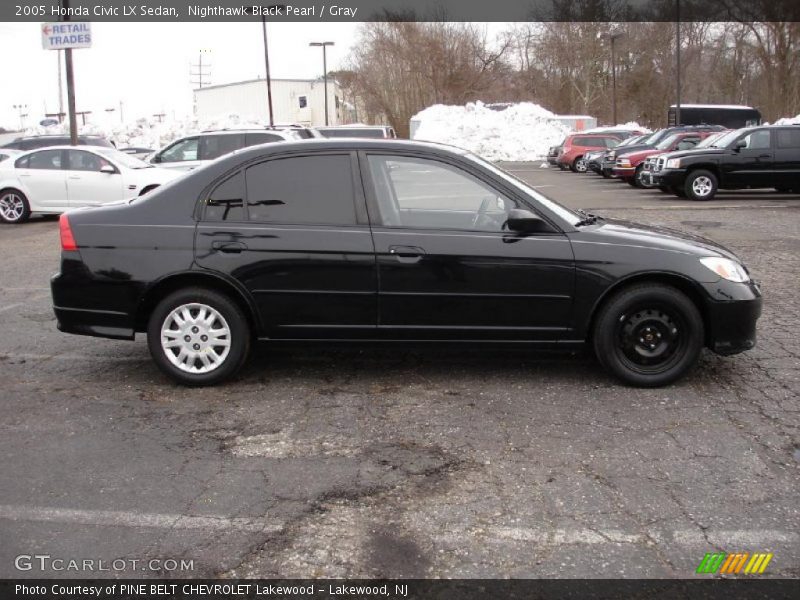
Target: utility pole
160,116
121,118
60,88
677,62
274,8
19,108
613,37
200,77
73,124
324,72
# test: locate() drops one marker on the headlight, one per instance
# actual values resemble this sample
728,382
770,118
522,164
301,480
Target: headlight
674,163
726,268
624,162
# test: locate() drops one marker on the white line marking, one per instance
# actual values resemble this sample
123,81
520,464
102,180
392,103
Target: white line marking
118,518
28,301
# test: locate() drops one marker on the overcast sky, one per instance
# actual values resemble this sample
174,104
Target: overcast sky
146,66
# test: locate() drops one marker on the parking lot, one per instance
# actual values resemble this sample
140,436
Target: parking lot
407,462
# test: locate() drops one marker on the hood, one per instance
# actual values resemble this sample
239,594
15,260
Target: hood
628,149
638,155
700,152
653,236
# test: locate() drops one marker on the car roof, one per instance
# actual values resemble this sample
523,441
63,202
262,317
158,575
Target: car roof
355,143
56,135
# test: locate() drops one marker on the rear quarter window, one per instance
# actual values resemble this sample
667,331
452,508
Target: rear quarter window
788,138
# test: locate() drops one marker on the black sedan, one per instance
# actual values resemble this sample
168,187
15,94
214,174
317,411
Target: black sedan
382,240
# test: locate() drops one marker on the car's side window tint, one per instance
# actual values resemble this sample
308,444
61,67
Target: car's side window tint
46,159
302,190
214,146
423,193
85,161
226,201
181,151
22,163
254,139
788,138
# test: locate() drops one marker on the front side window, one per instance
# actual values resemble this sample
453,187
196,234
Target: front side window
423,193
181,151
302,190
226,202
758,140
214,146
80,160
46,159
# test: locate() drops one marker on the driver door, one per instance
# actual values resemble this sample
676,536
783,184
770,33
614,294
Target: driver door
446,266
87,185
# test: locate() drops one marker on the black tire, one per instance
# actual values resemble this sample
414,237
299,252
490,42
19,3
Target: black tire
630,331
678,191
631,181
578,165
700,180
238,338
13,202
605,174
637,178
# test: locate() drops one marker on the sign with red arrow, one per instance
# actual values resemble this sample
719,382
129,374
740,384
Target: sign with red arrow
66,34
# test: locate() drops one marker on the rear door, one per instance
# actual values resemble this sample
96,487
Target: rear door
43,175
86,185
294,232
787,158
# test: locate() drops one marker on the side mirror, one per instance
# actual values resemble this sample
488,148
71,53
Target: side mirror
739,145
108,169
524,221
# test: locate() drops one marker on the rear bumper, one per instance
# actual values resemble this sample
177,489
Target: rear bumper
86,320
732,312
552,161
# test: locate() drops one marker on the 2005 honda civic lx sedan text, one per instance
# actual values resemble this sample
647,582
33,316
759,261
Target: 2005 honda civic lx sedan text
356,240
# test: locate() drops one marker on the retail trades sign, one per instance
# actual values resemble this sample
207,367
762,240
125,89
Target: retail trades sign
66,34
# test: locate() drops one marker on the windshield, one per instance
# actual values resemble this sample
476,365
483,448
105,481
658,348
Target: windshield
667,142
709,141
725,140
122,159
562,211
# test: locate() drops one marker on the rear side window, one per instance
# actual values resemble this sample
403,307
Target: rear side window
213,146
788,138
46,159
589,142
226,202
302,190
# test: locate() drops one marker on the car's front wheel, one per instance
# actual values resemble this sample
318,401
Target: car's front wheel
14,206
198,336
701,185
648,335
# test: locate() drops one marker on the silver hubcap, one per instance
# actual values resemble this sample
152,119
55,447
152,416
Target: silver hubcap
196,338
701,186
11,206
580,165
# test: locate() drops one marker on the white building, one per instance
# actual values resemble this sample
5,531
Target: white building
293,101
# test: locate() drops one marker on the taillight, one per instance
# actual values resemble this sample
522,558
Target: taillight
67,239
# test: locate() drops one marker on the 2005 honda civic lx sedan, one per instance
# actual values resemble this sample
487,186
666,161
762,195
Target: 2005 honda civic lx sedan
367,240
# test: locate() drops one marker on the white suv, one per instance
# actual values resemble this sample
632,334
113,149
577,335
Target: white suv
195,150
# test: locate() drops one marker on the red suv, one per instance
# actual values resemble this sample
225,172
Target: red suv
629,166
578,144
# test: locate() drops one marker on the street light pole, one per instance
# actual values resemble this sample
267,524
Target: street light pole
324,72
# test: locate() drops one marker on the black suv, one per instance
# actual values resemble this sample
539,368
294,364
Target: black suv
386,240
34,142
754,157
610,159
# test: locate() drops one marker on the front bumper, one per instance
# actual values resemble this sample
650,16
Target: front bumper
670,177
732,310
623,172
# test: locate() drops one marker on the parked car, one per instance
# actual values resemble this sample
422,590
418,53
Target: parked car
196,150
578,144
629,165
32,142
650,163
348,240
553,153
358,131
302,131
52,180
754,157
594,159
137,152
654,138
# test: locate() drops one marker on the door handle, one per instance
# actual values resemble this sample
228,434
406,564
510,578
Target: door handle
229,247
764,156
407,254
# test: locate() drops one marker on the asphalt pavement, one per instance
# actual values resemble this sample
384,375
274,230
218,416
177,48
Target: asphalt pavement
396,462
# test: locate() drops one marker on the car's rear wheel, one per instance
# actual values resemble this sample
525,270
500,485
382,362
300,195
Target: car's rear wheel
700,185
665,189
648,335
14,206
579,165
198,336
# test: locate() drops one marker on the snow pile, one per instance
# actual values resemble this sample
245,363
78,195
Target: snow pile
624,126
521,132
150,132
788,121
